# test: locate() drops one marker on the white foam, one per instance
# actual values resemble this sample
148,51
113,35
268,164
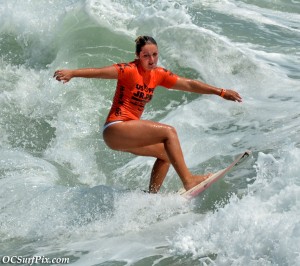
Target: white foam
121,237
261,228
136,16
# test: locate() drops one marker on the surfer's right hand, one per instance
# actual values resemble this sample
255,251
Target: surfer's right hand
63,75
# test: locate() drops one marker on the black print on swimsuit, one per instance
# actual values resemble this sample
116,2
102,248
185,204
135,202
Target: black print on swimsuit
123,66
144,88
121,95
118,112
142,96
170,73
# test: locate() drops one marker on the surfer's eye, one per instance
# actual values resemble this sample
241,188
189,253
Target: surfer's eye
148,55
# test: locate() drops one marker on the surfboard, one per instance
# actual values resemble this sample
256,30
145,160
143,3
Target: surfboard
195,191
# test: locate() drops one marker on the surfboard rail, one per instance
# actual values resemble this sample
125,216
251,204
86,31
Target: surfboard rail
196,190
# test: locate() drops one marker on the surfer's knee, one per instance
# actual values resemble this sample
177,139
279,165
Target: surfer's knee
166,162
170,133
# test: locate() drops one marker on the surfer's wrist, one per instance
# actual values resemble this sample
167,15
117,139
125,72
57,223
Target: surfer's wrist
222,93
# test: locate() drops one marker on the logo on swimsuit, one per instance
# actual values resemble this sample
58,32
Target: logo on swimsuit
118,111
121,95
141,96
144,88
123,66
170,73
143,93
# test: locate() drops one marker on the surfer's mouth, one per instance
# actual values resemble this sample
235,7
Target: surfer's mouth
152,65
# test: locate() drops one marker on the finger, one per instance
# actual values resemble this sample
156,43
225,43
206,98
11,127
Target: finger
56,73
238,98
234,96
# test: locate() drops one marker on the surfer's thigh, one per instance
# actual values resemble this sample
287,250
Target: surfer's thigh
134,134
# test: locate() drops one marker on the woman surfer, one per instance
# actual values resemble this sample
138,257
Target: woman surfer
125,131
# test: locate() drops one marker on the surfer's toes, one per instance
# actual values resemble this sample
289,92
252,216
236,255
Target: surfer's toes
204,177
197,179
208,176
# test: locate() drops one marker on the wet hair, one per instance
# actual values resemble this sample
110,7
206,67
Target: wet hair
141,41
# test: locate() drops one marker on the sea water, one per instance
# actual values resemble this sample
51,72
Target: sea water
64,194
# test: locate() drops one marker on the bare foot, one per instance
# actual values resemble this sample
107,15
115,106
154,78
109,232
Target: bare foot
195,180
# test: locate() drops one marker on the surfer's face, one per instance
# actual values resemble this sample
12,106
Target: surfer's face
148,56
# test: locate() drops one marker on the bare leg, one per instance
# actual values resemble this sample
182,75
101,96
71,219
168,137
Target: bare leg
160,167
133,136
158,174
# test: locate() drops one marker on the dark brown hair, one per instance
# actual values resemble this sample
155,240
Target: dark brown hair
141,41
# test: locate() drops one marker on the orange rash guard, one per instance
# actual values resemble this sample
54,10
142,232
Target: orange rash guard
135,88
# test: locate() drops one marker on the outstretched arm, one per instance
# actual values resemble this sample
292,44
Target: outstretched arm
196,86
64,75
